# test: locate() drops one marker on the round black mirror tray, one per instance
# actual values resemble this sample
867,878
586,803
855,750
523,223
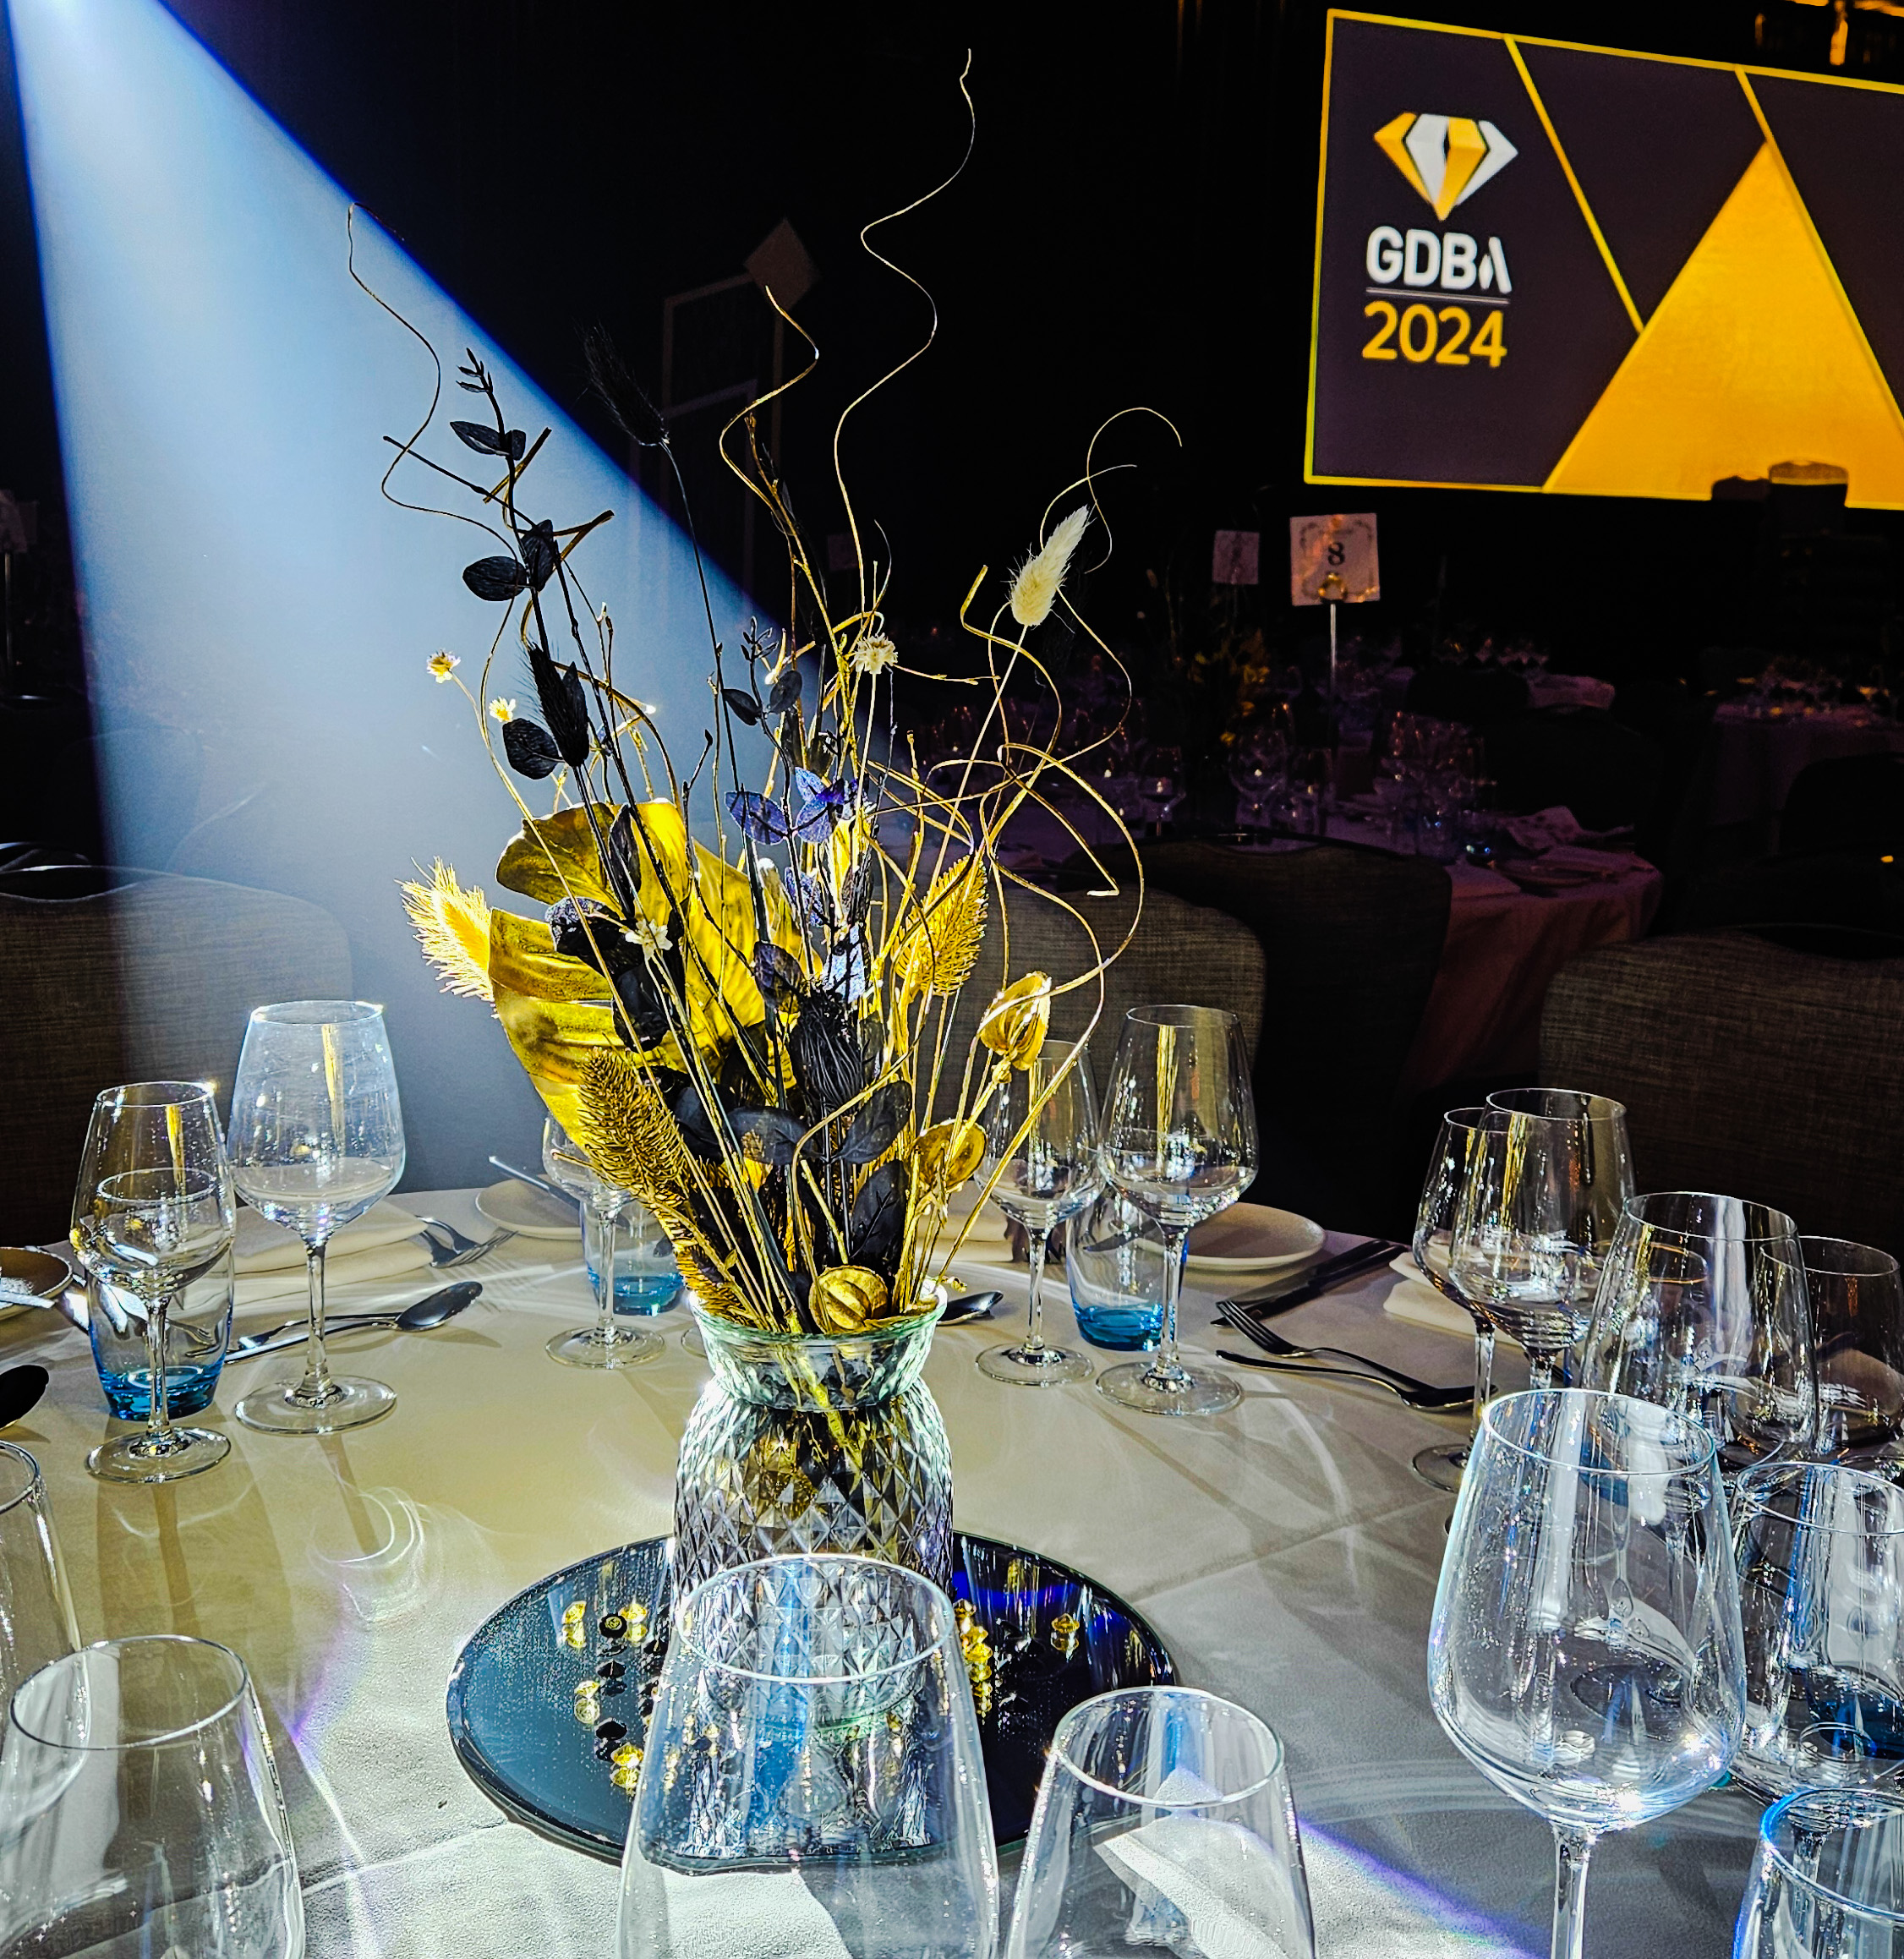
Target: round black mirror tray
546,1752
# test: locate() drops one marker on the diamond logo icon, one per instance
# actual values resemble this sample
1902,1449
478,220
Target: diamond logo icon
1446,158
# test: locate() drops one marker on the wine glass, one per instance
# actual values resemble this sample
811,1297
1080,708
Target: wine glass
1442,1465
1585,1653
1857,1335
1827,1880
1540,1206
1702,1308
1043,1130
36,1619
317,1138
1164,1821
811,1780
603,1344
1178,1138
1819,1548
143,1809
152,1210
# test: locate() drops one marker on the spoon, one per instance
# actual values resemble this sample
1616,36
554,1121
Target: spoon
969,1306
20,1389
431,1310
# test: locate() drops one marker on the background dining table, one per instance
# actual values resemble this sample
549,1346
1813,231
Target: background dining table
1284,1551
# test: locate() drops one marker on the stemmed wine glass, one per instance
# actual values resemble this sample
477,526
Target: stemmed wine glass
1857,1301
605,1343
1045,1127
1178,1138
1538,1210
1702,1308
152,1210
317,1138
1586,1653
1442,1465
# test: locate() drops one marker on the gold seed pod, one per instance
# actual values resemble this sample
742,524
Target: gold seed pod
1015,1024
846,1298
946,1155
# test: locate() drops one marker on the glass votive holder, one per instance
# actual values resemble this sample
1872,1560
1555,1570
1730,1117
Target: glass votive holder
1114,1259
198,1332
647,1279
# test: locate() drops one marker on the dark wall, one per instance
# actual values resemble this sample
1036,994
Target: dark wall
1134,228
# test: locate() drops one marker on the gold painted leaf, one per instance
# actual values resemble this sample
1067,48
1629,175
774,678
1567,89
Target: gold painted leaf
937,954
525,865
523,960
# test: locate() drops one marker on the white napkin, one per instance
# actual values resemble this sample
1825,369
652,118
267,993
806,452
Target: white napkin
747,1914
270,1259
1205,1889
1417,1302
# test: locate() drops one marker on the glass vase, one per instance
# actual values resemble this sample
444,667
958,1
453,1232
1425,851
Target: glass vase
805,1445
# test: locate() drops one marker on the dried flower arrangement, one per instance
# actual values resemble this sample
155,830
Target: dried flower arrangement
751,1037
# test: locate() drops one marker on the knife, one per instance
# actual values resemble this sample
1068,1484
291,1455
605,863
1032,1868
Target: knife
1324,1278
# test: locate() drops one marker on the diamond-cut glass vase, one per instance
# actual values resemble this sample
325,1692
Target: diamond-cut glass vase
814,1445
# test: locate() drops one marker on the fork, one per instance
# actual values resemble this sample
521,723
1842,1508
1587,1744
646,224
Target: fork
1279,1349
462,1248
1430,1400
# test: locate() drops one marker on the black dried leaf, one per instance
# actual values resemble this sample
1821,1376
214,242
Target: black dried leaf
624,863
822,746
624,396
774,1130
499,578
476,436
470,387
538,554
872,1046
785,692
879,1219
826,1055
855,894
529,750
792,745
691,1118
585,929
642,1005
565,705
741,703
876,1126
777,974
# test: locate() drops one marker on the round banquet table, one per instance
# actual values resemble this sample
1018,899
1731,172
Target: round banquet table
1756,759
1284,1551
1503,947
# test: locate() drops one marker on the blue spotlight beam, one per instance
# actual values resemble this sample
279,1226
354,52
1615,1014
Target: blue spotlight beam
222,390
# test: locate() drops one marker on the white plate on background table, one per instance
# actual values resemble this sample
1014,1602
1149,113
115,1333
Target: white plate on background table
527,1212
1253,1238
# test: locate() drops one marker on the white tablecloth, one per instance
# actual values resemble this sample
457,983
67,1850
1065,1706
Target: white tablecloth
1285,1552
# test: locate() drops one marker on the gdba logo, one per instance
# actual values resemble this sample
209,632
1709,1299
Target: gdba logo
1447,158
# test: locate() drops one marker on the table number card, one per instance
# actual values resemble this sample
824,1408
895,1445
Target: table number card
1332,560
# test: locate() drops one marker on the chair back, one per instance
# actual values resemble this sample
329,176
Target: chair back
1180,953
1746,1068
1607,774
1851,803
1353,938
152,980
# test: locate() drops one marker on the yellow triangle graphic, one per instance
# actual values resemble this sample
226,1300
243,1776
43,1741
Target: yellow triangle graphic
1751,359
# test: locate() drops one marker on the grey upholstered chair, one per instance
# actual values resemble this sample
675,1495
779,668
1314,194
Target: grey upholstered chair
1748,1069
1180,952
151,980
1352,940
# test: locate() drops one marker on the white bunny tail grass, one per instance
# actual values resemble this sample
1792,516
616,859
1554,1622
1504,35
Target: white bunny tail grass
1041,577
